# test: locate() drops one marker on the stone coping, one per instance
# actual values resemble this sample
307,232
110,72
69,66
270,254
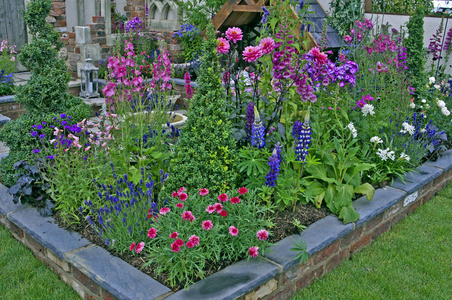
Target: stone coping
95,273
7,99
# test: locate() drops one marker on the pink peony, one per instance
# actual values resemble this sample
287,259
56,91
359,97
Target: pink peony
223,197
223,46
179,242
235,200
210,209
164,211
180,205
243,190
233,231
194,239
152,233
207,225
189,244
218,207
132,246
252,53
253,251
262,234
267,45
234,34
139,247
183,196
175,247
203,192
174,235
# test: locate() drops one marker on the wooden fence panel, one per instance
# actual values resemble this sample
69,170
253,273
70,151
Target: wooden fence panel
12,24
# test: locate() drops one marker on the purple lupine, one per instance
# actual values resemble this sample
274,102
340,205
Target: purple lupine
401,58
448,42
435,43
274,162
257,131
302,136
249,120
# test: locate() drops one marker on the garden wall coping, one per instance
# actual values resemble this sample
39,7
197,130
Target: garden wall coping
7,99
120,280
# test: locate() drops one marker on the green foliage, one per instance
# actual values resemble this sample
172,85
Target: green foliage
198,12
300,247
402,6
344,13
206,152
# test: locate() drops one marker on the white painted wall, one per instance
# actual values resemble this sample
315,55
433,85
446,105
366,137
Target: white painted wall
71,14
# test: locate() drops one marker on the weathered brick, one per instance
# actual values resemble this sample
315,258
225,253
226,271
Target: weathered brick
381,229
86,281
97,19
336,260
393,210
327,252
414,206
399,216
71,35
360,243
37,247
17,232
58,4
374,222
62,264
264,290
306,279
286,293
107,296
350,237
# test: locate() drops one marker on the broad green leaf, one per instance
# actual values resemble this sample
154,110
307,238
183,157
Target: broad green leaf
319,172
329,198
343,196
348,214
365,189
319,199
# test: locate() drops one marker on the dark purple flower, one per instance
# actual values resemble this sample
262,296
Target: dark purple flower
274,162
302,137
36,150
257,132
249,120
62,116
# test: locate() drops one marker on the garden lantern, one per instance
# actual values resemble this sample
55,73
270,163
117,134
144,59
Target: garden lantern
88,79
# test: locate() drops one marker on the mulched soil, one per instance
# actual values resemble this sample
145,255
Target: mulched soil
284,226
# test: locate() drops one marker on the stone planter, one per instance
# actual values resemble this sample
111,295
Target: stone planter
95,274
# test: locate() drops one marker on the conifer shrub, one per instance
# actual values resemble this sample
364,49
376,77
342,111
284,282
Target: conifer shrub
206,150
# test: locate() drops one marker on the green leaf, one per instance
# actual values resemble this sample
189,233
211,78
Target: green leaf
348,214
319,172
365,189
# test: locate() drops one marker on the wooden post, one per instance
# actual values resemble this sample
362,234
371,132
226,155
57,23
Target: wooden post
367,6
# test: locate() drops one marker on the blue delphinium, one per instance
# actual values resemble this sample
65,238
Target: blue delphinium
274,162
257,131
265,15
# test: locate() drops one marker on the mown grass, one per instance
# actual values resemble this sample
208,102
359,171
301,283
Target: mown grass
23,276
412,261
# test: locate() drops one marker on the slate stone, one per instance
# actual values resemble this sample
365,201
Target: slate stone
4,119
47,232
382,200
444,161
6,202
7,99
231,282
115,275
416,180
317,236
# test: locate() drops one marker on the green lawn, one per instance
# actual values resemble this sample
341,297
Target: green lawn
23,276
412,261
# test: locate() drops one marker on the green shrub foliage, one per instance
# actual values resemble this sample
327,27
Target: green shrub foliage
205,154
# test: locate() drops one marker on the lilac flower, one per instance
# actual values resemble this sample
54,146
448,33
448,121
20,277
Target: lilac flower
249,120
257,131
36,150
401,58
133,25
274,162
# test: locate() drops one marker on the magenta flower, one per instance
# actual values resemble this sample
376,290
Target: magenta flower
234,34
347,38
188,215
180,205
223,197
139,247
252,53
223,46
235,200
132,246
183,196
243,190
175,247
319,57
210,209
253,251
174,235
203,192
207,225
152,233
267,45
179,242
164,211
233,231
194,239
262,234
224,213
182,189
218,207
189,244
109,89
188,88
175,194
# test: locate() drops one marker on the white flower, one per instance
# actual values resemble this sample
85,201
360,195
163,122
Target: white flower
407,128
423,100
441,103
431,80
445,111
437,86
368,109
404,156
423,130
376,140
385,154
412,105
352,129
427,106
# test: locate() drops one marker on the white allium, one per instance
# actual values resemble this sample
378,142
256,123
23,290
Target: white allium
376,140
445,111
431,80
441,103
368,109
404,156
407,128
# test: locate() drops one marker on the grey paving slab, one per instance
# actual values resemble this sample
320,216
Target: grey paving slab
231,282
118,277
7,99
444,161
6,202
383,199
47,232
317,236
416,180
4,119
3,148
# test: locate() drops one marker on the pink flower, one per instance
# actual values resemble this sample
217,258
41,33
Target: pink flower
210,209
234,34
252,53
243,190
175,247
194,239
267,45
152,233
139,247
203,192
253,251
233,231
223,46
164,211
224,213
218,207
183,196
207,225
223,197
188,215
132,246
174,235
319,57
347,38
179,242
181,190
180,205
190,244
175,194
262,234
235,200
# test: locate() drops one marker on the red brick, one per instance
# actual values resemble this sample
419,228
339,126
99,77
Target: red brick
91,297
360,243
393,210
107,296
97,19
414,206
336,260
374,222
18,232
352,236
381,229
37,247
71,35
54,13
86,281
59,4
306,279
137,14
401,215
286,293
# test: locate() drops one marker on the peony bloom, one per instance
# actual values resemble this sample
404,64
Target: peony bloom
179,242
210,209
224,213
203,192
139,247
233,231
243,190
253,251
132,246
194,239
267,45
235,200
183,196
223,197
180,205
234,34
252,53
152,233
262,234
223,46
175,247
164,211
218,207
207,225
174,235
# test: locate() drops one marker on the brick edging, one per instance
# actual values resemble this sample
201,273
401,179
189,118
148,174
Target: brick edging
94,273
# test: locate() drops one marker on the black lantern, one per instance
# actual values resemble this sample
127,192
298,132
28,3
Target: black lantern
88,79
